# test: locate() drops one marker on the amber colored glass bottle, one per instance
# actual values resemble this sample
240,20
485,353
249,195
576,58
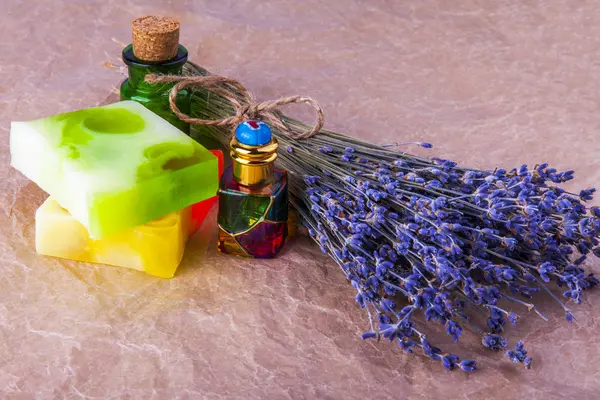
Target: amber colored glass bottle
253,196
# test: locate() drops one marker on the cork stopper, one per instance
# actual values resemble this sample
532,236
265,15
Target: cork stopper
155,38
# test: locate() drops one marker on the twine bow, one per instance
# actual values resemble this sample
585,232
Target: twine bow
246,107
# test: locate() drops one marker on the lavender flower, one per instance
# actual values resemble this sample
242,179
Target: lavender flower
440,235
494,342
519,355
426,236
468,365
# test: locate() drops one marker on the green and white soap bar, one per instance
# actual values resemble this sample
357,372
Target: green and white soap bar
114,167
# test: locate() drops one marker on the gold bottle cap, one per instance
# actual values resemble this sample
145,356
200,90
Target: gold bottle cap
155,38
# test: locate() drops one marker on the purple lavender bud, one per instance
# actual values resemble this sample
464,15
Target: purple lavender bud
587,194
449,361
523,170
569,316
530,210
510,243
514,356
468,365
454,330
494,342
360,300
567,176
369,335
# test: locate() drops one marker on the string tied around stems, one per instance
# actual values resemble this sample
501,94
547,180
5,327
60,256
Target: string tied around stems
246,107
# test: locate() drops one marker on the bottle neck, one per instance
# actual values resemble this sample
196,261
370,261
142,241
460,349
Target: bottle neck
253,175
138,69
253,166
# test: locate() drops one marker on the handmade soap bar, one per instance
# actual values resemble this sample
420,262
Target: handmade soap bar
156,247
114,167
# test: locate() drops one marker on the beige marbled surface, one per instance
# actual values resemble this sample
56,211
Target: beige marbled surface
489,83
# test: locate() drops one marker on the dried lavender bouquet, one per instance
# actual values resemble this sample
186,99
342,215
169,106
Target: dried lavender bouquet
425,235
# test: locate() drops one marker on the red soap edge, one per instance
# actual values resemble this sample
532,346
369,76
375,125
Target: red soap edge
201,209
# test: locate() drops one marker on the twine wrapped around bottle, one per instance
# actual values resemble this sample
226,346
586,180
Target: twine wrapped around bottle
246,107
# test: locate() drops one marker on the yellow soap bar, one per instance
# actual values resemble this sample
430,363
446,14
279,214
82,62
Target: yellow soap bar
155,248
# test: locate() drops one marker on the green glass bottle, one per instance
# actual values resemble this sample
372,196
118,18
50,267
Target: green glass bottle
155,96
156,50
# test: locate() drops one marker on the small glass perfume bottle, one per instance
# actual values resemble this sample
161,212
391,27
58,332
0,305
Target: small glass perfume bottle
253,197
155,50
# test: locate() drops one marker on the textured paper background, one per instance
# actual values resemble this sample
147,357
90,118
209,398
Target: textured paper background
489,83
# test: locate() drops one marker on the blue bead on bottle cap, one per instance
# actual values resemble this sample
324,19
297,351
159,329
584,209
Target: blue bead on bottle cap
253,133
